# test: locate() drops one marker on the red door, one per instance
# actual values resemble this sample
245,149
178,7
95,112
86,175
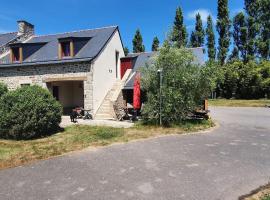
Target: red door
126,63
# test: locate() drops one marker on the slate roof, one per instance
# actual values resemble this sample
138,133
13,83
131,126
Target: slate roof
141,59
44,49
7,37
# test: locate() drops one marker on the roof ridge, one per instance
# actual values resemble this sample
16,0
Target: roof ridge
114,26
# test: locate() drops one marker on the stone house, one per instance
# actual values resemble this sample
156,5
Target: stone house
80,68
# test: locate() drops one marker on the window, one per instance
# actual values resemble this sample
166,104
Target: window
16,57
116,63
65,49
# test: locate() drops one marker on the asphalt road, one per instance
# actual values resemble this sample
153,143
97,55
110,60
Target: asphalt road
223,164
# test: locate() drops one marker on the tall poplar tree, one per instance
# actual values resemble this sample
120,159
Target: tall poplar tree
197,37
155,44
240,35
179,33
223,29
264,20
210,36
138,42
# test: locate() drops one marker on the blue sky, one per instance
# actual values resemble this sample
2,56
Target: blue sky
154,18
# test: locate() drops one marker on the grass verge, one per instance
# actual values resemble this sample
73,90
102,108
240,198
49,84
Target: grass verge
239,103
78,137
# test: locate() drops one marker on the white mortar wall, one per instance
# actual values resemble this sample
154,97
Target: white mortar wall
104,70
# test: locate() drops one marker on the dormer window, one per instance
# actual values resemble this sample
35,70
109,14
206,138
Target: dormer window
16,54
66,48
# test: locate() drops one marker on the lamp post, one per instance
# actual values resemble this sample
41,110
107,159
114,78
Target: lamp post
160,71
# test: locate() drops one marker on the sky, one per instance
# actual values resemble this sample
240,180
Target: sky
152,17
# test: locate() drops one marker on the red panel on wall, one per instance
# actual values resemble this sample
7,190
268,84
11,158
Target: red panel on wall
126,63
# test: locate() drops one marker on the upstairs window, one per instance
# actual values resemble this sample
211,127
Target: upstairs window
15,52
65,46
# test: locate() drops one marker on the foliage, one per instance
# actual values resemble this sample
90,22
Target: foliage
138,42
246,80
185,85
155,44
211,43
126,51
223,29
28,112
197,37
240,35
3,89
179,33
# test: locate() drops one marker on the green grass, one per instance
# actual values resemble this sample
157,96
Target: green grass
239,103
73,138
266,197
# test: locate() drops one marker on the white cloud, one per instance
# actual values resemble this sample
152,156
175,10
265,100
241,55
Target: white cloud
203,12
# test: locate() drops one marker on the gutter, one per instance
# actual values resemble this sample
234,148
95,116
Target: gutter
46,62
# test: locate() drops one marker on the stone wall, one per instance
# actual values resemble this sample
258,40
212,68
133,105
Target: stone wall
14,77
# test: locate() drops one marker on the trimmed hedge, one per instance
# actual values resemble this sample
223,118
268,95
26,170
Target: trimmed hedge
29,112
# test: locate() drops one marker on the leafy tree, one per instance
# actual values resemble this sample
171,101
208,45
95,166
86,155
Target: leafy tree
138,42
251,7
234,55
3,89
264,38
240,35
211,43
155,44
126,51
179,33
197,37
185,85
223,29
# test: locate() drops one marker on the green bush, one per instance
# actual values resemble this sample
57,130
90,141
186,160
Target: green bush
28,112
3,89
185,85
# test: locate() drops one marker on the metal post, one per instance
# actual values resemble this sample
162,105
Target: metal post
160,96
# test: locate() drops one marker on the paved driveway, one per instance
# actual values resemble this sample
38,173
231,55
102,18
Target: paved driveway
223,164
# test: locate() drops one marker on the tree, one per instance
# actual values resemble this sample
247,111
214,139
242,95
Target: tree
138,42
198,37
211,43
234,55
264,20
193,40
223,29
179,33
240,35
251,7
185,85
126,51
155,44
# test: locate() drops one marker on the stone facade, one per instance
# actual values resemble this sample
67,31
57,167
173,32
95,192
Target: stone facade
14,77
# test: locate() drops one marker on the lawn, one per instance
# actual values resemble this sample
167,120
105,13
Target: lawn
78,137
262,193
239,103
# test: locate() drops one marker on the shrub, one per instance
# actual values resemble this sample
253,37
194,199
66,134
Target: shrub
28,112
3,89
185,85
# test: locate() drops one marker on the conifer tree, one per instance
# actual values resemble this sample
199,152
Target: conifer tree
240,35
126,51
211,43
155,44
179,33
223,29
138,42
197,37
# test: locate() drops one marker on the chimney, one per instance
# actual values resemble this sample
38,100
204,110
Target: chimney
25,27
